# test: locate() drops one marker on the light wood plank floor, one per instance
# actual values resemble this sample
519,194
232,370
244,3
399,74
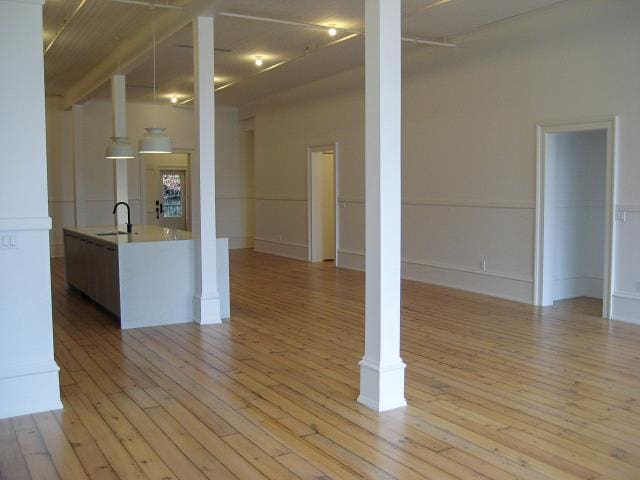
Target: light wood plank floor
496,389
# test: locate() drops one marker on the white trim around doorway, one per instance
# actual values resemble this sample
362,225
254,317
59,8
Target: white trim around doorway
543,271
336,162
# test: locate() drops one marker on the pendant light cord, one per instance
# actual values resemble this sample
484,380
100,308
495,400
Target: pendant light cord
153,16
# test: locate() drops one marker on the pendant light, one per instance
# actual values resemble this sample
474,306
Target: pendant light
155,140
119,148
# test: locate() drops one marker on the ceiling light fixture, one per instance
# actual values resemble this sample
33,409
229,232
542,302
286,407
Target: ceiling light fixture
259,61
155,140
174,99
119,149
316,26
332,31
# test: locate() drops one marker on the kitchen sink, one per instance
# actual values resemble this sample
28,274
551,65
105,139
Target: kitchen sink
107,234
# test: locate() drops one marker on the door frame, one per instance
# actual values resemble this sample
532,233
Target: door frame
545,194
186,203
142,169
311,150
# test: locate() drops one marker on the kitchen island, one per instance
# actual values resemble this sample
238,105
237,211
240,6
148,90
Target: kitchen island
146,278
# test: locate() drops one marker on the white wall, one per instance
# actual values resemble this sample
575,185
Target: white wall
235,216
580,186
28,372
469,147
234,200
248,161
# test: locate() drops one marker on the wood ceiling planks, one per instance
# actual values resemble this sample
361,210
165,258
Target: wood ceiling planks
91,35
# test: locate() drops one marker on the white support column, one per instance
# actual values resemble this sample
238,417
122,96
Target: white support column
28,372
207,299
120,177
78,165
382,369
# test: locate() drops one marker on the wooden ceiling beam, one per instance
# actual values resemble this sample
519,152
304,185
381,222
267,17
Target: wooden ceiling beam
132,52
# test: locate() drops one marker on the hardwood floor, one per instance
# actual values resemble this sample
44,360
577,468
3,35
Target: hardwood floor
496,389
584,305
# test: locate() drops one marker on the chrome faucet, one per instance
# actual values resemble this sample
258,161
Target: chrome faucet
115,208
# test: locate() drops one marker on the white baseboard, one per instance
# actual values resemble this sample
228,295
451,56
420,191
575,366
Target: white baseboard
574,287
236,243
29,389
623,319
351,260
496,284
626,307
297,251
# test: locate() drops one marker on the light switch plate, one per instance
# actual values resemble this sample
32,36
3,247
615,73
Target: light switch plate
8,242
621,216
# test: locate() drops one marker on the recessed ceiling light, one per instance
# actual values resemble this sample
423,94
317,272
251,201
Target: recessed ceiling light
258,61
332,31
174,99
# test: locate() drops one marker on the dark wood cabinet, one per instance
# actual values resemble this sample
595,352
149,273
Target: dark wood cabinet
91,267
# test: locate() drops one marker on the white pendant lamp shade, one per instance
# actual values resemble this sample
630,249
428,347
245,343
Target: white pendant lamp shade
155,141
119,149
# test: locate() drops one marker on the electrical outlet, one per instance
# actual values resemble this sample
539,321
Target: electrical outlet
483,265
621,216
280,236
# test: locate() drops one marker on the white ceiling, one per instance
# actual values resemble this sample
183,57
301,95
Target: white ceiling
458,16
100,25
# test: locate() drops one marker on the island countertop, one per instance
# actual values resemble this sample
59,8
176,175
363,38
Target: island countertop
140,234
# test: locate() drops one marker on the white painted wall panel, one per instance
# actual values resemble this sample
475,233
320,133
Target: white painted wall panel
469,122
351,225
627,279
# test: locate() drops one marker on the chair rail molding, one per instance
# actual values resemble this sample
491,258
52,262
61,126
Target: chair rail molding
450,202
23,224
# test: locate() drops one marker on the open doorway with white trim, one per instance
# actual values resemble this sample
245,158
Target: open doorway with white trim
322,211
574,215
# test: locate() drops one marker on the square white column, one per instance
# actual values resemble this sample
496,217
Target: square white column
207,298
28,372
120,176
382,369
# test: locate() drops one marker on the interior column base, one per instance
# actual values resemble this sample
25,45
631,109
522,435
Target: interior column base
206,311
29,389
382,386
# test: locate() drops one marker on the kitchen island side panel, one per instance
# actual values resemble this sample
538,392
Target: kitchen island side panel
157,282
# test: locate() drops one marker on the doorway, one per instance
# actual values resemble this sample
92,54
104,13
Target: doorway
574,220
322,203
166,191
